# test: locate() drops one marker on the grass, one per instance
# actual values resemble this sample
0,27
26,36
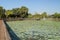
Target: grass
27,28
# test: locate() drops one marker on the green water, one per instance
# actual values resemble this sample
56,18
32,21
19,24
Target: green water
36,30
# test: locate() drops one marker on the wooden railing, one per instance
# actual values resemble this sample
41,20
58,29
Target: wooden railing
4,35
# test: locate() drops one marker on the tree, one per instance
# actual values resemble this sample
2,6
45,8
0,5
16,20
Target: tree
44,15
16,12
23,11
37,16
8,12
30,15
56,15
2,12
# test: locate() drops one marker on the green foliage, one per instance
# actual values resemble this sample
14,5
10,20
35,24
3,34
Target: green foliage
15,10
3,16
56,15
30,15
37,15
8,12
23,12
44,15
2,12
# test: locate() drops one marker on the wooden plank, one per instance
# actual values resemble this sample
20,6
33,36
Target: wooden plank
4,35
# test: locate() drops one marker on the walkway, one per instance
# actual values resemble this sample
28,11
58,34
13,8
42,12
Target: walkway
3,32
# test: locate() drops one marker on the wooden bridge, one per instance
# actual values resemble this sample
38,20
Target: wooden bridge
4,35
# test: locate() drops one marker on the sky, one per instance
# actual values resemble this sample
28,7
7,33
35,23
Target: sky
39,6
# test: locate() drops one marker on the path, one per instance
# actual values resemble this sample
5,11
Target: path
3,32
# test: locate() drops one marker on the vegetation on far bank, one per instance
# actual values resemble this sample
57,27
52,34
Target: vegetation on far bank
23,12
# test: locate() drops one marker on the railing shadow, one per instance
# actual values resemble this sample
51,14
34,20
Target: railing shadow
11,32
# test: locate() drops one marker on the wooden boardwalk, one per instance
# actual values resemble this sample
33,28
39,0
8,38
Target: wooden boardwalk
4,35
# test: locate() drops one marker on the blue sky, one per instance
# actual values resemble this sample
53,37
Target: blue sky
49,6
